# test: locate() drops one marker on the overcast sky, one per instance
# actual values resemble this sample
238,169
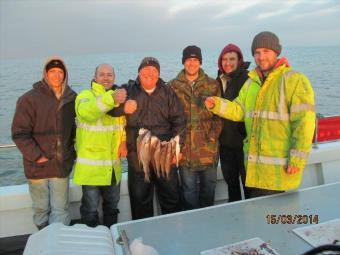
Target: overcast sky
40,28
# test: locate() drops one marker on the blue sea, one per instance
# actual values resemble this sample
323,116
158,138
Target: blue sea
320,64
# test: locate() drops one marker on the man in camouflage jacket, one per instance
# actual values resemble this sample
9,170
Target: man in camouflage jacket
200,151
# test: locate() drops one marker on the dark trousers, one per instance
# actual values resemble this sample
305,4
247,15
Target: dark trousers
232,165
90,201
141,193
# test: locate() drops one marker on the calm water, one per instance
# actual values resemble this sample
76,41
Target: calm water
17,76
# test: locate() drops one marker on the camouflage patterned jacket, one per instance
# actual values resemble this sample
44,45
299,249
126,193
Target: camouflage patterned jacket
202,128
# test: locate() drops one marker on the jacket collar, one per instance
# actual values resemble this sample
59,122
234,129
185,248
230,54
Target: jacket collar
67,96
97,88
256,74
181,76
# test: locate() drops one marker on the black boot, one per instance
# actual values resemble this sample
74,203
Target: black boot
109,220
90,220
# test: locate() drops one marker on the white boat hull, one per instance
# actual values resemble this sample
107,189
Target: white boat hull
15,203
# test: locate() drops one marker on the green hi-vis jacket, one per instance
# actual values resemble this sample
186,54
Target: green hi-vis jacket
98,138
280,120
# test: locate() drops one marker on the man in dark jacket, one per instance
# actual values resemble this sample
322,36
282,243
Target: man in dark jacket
43,129
198,167
160,111
232,73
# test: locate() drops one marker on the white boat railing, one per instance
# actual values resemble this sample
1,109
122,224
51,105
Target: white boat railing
6,146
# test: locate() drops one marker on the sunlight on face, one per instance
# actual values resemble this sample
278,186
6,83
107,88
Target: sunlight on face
265,59
229,62
148,77
55,77
105,76
192,66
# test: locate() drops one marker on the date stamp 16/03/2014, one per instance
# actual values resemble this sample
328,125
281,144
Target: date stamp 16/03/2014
292,218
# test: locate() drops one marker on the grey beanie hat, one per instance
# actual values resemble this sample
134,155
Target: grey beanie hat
266,40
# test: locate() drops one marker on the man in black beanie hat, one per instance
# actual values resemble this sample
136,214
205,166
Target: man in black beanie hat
200,151
277,105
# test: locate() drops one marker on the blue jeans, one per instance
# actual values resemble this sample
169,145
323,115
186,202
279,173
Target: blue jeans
198,186
90,202
50,201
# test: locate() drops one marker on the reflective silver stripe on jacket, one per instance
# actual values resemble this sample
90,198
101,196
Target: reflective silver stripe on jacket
223,107
268,160
102,107
302,107
96,162
99,128
268,115
299,154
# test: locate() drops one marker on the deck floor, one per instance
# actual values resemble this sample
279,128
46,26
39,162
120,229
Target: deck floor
13,245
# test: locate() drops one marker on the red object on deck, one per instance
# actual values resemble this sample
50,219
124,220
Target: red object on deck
328,129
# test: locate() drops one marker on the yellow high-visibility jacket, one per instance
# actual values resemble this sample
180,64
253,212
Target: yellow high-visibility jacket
98,138
280,121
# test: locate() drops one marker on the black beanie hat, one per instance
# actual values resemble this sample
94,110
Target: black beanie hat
55,63
192,51
149,61
266,40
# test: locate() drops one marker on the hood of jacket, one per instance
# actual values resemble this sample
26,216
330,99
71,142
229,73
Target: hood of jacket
230,48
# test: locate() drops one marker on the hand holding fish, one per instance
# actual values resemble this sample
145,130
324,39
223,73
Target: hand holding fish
160,154
209,102
174,159
122,150
119,96
130,106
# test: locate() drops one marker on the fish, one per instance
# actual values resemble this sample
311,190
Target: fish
145,156
177,149
156,159
168,159
162,158
173,148
153,145
141,133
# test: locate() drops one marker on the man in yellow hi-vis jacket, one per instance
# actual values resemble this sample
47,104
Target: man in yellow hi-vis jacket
100,143
277,105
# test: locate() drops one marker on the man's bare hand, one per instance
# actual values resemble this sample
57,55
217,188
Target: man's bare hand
209,102
41,159
130,106
119,96
292,170
122,150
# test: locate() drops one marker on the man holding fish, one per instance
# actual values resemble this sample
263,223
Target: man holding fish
154,131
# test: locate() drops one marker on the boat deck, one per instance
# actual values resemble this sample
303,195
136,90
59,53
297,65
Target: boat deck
13,245
194,231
